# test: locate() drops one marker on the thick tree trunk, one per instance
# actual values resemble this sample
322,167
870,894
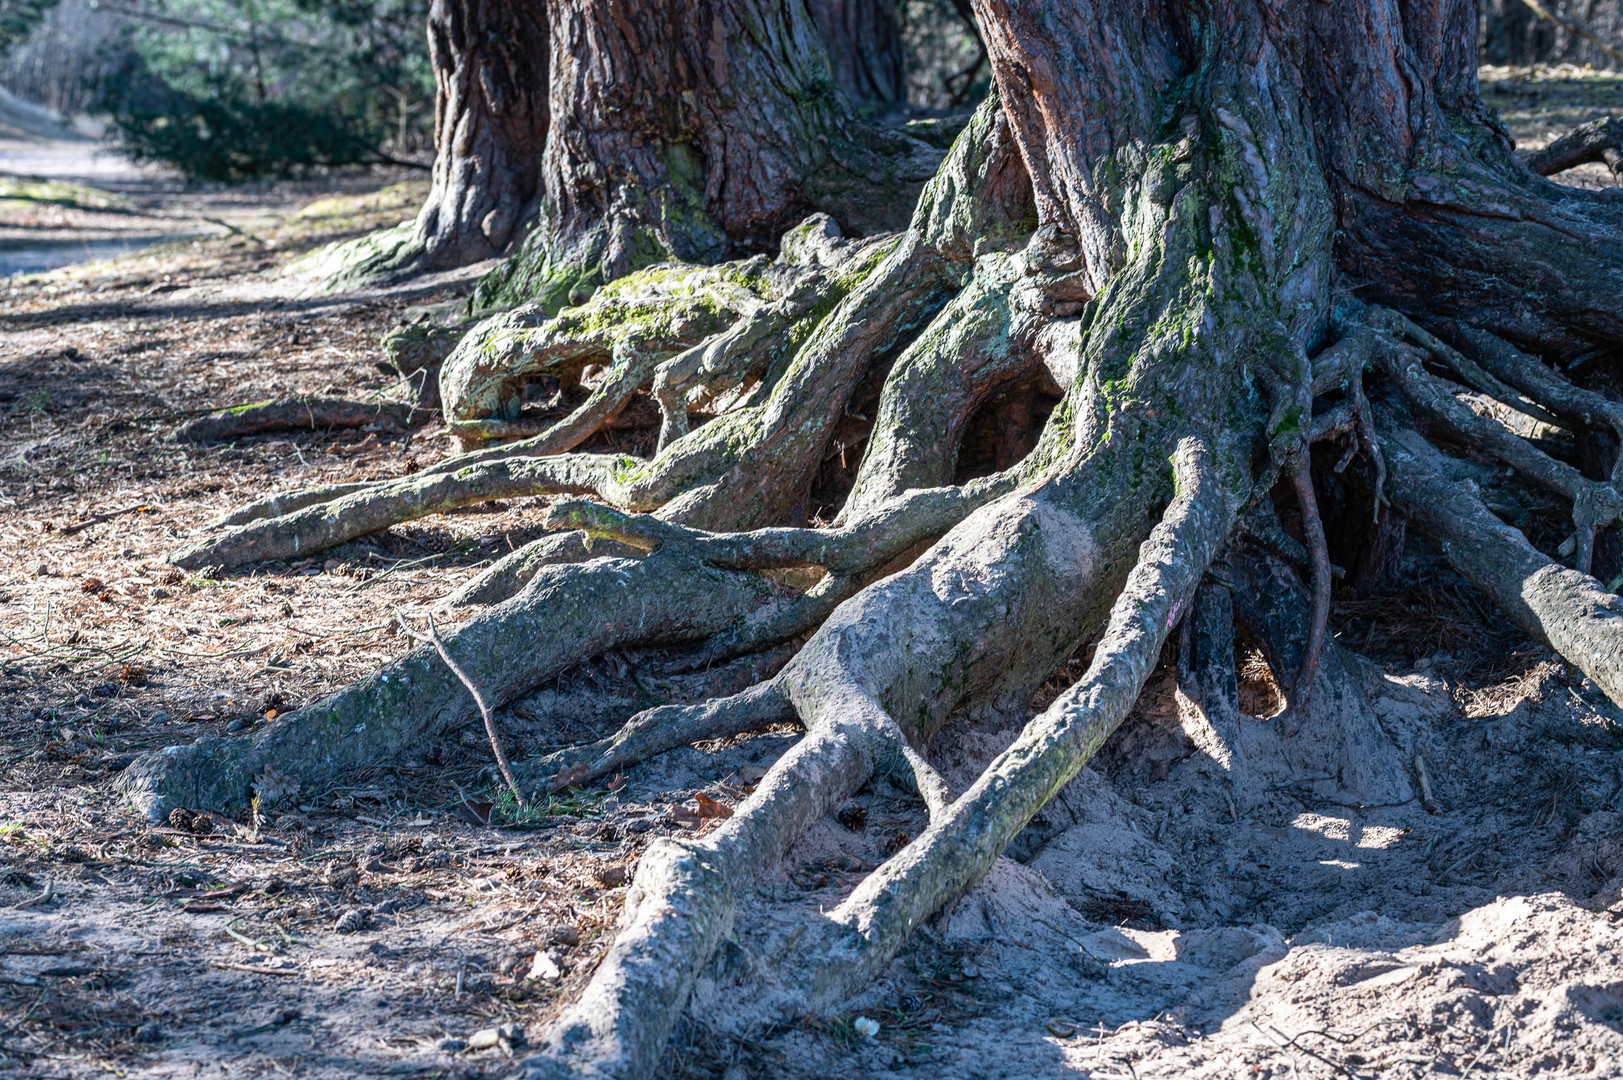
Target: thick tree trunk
864,47
694,130
490,126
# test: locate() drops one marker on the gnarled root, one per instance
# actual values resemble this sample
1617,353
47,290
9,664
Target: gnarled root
746,468
846,307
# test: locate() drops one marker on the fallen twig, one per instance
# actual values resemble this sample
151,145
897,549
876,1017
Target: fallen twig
254,969
478,698
43,898
97,519
1424,777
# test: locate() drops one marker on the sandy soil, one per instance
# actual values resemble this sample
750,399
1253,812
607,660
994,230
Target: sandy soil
1173,913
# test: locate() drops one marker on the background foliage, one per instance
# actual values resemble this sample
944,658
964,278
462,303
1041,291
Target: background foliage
238,89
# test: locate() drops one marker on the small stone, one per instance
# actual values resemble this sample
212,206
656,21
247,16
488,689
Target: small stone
508,1037
149,1032
238,724
564,934
865,1027
83,701
159,593
544,967
452,1046
160,718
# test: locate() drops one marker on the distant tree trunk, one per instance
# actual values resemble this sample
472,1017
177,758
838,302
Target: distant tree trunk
864,48
695,129
490,126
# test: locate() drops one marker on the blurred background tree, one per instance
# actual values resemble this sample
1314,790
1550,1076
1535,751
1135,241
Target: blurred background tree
18,18
240,89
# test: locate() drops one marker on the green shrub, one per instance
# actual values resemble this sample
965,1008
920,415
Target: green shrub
232,90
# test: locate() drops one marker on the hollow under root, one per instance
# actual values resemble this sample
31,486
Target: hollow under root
655,731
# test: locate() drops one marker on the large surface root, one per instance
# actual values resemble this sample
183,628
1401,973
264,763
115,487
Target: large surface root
868,928
569,613
681,905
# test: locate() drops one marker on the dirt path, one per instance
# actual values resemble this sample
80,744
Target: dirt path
1153,923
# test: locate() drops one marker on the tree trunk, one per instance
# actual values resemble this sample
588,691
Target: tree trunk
864,47
490,125
1227,230
694,130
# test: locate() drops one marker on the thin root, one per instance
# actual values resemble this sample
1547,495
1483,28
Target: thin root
1319,553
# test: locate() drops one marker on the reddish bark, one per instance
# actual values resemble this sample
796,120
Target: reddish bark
699,129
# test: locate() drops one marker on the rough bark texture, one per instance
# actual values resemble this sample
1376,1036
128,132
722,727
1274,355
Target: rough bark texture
1245,212
864,47
490,126
694,129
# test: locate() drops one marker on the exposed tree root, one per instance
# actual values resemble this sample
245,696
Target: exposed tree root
286,503
847,307
967,351
508,575
680,905
1203,233
317,526
1533,378
1599,140
656,731
311,414
872,923
1569,610
1595,504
